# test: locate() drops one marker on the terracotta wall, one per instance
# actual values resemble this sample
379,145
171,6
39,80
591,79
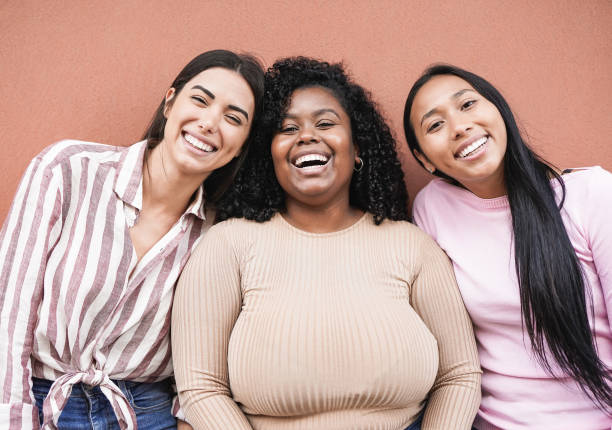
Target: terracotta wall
96,70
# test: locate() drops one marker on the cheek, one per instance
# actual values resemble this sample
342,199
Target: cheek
433,147
279,152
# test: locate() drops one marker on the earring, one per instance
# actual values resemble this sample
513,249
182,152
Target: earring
358,164
430,169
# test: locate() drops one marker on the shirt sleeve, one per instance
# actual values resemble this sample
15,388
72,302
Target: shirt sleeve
598,226
30,230
419,212
206,306
455,395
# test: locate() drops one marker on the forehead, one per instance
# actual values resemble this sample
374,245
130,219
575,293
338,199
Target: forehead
306,100
436,92
225,84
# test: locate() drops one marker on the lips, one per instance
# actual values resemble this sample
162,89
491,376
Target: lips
310,159
199,143
470,146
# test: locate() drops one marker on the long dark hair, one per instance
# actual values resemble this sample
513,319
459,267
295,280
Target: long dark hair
251,70
378,188
551,284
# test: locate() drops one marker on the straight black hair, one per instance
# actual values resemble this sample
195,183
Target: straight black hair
252,71
551,284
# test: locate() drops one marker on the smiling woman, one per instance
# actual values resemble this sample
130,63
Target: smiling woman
325,308
93,245
531,247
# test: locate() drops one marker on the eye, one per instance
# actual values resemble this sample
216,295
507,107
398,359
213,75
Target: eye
325,124
200,100
288,129
467,104
434,126
234,119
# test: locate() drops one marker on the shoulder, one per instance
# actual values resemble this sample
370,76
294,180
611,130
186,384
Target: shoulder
66,151
231,238
434,201
588,176
588,184
437,192
234,226
400,234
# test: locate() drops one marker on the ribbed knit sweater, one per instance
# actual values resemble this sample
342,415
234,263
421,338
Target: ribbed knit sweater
277,328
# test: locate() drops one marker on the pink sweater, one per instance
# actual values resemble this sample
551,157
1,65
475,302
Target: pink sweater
477,235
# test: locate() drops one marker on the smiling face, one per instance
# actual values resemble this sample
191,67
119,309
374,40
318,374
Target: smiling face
461,134
313,152
207,123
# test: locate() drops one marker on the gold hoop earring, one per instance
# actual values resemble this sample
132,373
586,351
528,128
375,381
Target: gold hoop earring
358,164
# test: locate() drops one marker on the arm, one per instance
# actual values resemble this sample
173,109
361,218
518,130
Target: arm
455,395
207,303
597,215
32,226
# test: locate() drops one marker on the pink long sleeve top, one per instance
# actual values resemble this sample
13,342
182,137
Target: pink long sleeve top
517,393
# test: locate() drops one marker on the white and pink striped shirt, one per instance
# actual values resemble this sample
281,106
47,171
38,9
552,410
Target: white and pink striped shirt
76,305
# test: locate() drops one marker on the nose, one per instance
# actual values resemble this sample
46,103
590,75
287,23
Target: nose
460,126
209,121
308,135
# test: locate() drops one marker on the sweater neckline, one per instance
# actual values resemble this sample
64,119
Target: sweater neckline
345,230
502,201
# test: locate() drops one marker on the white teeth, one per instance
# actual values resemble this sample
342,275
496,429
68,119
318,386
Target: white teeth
198,143
472,147
310,157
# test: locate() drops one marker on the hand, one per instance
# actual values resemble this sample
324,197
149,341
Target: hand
182,425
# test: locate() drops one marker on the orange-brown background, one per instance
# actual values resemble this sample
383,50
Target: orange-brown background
96,70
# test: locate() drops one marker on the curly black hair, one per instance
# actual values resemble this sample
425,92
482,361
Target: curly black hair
378,188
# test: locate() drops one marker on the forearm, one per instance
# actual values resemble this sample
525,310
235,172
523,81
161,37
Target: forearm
216,412
454,400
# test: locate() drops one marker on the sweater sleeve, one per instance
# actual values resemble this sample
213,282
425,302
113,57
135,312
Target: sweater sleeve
206,306
598,226
455,395
30,230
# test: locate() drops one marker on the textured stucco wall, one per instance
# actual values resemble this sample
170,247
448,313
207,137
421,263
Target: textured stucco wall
97,71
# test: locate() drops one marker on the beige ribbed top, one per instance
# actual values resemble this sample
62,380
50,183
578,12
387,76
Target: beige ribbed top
277,328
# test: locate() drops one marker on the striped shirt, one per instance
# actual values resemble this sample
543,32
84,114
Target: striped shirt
76,304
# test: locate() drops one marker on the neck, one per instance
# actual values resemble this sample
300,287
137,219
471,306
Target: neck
321,218
164,188
490,189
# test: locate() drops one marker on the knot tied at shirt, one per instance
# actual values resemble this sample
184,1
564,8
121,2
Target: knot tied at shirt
60,391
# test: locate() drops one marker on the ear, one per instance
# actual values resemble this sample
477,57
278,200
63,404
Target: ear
423,159
356,149
169,96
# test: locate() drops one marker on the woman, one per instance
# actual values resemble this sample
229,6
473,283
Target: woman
531,250
334,313
92,247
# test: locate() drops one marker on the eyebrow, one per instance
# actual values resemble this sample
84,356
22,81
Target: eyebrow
204,90
316,113
454,96
212,96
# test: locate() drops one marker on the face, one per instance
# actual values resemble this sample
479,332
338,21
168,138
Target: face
461,134
313,152
207,122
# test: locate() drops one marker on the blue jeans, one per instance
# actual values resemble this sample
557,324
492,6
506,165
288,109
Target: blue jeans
417,424
89,409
